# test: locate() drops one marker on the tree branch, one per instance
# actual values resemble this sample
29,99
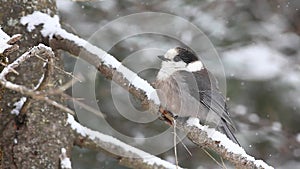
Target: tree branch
7,43
40,49
131,156
113,69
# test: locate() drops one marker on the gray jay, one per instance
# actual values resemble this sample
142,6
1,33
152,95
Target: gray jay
187,89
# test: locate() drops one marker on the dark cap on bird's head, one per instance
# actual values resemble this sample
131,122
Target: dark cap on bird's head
179,54
177,59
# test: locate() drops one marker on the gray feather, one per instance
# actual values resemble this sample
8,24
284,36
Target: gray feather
203,87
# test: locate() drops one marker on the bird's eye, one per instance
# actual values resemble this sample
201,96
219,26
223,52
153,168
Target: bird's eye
177,59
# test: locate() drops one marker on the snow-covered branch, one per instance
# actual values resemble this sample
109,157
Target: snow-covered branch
220,143
108,65
131,156
7,43
113,69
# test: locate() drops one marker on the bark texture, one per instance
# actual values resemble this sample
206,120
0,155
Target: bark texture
34,138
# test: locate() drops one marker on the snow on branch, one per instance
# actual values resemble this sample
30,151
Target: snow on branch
7,46
131,156
219,142
139,88
6,42
4,38
65,162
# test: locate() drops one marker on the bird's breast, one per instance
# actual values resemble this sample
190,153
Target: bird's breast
174,95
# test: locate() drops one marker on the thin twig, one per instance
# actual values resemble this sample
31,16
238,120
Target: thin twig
58,68
224,166
60,89
24,90
175,145
44,79
13,70
209,155
86,107
185,147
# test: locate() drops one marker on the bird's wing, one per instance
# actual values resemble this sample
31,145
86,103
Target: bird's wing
203,87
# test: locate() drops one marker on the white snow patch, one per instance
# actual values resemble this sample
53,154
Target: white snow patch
65,162
226,142
50,24
254,62
3,35
86,132
40,82
18,105
52,27
192,121
4,38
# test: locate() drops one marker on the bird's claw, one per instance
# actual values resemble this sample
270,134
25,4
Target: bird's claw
167,116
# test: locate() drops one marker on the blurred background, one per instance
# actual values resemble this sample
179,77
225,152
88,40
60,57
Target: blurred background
258,44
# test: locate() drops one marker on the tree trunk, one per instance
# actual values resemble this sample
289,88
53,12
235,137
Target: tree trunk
34,138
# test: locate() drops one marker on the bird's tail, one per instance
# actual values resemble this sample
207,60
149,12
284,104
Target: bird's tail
226,129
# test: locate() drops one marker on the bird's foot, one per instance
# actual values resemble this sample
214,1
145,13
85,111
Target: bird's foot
167,116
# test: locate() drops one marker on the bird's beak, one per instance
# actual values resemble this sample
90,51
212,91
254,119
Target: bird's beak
161,57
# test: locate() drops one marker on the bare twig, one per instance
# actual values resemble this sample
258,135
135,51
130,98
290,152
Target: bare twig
12,70
60,89
58,68
27,91
43,81
86,107
175,145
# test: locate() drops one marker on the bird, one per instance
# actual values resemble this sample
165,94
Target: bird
187,89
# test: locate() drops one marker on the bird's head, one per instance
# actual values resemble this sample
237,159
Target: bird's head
179,54
179,58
